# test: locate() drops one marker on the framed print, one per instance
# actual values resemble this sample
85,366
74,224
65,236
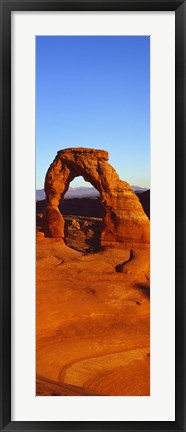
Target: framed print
92,215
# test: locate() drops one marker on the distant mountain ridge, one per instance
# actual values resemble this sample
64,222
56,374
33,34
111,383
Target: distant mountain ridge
139,189
82,192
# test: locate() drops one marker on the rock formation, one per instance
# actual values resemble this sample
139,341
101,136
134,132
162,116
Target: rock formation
125,223
138,263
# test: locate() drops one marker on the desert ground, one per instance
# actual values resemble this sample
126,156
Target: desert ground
93,313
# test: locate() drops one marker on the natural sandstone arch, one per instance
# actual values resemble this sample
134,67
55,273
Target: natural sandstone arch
125,223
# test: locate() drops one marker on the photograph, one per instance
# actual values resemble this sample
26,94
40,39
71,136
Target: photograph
92,215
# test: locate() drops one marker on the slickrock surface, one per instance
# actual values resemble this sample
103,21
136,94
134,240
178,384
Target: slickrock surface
138,263
93,326
125,223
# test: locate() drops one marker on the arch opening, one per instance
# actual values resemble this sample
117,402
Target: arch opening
82,211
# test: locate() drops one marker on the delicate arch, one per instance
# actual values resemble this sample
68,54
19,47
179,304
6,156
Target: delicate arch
124,223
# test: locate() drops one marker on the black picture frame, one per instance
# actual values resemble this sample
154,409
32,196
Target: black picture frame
6,7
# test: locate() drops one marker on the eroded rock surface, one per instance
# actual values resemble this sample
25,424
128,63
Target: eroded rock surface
124,223
93,323
138,263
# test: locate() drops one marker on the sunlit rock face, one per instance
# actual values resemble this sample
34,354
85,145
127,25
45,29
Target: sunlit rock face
125,223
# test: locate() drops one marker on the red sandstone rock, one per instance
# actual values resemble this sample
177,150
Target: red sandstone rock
124,222
40,234
138,263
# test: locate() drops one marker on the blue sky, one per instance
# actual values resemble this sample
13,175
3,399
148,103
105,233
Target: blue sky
94,91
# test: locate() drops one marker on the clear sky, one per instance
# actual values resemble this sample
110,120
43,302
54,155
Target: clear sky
94,91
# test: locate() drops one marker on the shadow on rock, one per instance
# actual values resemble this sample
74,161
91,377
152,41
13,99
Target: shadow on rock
144,287
138,263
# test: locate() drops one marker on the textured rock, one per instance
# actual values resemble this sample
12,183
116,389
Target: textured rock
40,234
124,221
76,224
138,263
